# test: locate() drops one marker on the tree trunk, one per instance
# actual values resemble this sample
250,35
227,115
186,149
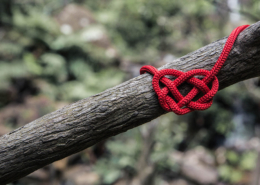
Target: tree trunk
130,104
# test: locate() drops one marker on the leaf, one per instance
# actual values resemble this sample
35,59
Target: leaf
31,64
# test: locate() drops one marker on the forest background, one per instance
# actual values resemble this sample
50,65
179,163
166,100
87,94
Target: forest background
53,53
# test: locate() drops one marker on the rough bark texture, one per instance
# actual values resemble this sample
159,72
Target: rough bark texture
128,105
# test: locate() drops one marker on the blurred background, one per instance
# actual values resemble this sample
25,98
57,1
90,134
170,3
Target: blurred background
53,53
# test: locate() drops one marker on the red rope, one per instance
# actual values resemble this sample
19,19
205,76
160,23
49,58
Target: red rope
184,105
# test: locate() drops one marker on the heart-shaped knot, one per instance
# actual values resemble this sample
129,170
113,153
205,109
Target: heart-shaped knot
184,104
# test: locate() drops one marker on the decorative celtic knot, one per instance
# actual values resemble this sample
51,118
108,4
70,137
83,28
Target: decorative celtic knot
185,104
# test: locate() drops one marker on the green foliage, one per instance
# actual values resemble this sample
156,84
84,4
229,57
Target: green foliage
8,71
248,160
52,62
177,27
232,157
229,174
48,57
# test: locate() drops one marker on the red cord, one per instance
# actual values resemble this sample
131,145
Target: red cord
185,104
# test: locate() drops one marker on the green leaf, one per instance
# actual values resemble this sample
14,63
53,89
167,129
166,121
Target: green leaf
32,64
248,160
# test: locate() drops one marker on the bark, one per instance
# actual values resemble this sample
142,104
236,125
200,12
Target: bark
128,105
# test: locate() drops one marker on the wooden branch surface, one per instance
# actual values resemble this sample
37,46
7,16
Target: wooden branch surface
130,104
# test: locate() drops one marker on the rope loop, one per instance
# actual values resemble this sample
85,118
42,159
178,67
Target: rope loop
180,104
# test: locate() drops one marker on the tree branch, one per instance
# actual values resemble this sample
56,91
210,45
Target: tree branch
116,110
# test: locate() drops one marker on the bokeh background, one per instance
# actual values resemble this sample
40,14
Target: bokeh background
53,53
